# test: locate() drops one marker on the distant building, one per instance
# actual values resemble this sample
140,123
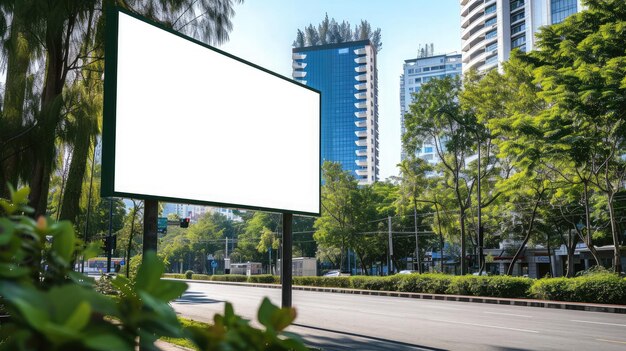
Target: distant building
416,72
491,29
346,74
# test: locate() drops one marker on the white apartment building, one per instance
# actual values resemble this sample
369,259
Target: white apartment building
416,72
491,29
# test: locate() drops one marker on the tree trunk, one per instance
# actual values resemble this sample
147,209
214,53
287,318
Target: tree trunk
74,185
18,59
526,237
587,237
130,240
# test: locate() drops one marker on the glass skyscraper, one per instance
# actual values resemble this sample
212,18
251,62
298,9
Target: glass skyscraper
346,75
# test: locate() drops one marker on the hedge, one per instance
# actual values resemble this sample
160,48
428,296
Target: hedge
595,288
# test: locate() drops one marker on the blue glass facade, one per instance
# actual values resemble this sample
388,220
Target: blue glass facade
560,9
332,69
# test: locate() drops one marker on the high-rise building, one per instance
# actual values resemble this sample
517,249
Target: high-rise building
346,75
491,29
416,72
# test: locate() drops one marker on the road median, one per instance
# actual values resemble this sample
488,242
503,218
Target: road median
578,306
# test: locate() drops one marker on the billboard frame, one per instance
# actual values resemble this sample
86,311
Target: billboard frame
110,112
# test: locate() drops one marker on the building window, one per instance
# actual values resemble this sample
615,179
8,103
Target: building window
516,4
491,21
428,149
517,16
518,28
560,9
411,70
491,47
491,34
418,80
342,51
491,60
490,9
519,41
426,69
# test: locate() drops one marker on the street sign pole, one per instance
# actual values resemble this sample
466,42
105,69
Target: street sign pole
150,213
109,241
285,263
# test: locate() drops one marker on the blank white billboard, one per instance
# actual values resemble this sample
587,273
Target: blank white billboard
185,122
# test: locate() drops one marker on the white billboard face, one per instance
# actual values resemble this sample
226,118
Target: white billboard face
191,124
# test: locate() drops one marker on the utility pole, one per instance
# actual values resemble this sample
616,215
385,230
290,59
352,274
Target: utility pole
481,263
226,250
417,245
390,266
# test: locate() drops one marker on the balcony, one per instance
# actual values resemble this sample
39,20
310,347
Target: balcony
360,96
299,74
360,114
361,86
360,51
298,56
360,69
301,81
362,59
361,142
360,124
298,65
361,77
361,133
361,162
361,172
361,152
360,104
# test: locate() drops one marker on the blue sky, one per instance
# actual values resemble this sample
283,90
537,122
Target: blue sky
264,31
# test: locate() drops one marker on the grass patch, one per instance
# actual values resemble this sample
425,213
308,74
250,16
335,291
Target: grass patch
184,342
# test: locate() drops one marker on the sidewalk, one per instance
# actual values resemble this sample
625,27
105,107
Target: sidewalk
578,306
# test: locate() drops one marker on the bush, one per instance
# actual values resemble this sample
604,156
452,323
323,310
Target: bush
595,288
239,278
494,286
264,278
424,283
201,277
374,283
329,282
188,274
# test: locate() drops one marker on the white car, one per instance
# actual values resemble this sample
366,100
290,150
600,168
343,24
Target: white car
407,271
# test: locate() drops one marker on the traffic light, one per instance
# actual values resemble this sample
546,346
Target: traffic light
184,222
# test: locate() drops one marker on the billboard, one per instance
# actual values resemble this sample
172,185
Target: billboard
185,122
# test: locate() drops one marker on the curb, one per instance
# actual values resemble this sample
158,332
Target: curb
576,306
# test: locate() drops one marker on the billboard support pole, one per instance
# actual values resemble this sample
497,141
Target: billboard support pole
150,218
109,240
285,263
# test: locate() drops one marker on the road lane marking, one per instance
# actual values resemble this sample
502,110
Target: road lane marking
509,314
486,326
613,341
603,323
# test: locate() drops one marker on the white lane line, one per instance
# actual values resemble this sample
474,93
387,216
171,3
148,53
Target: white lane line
509,314
486,326
615,324
613,341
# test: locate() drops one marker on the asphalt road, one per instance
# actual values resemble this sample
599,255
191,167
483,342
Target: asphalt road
355,322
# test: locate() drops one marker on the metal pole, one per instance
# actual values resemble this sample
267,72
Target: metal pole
417,245
109,241
226,254
390,267
150,218
285,263
481,263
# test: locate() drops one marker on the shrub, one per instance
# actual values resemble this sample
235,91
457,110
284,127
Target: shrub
595,288
494,286
264,278
374,283
201,277
239,278
424,283
329,282
188,274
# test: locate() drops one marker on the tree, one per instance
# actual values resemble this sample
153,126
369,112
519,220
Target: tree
329,31
436,117
581,73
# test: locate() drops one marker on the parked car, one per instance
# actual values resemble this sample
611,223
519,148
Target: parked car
332,274
407,271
